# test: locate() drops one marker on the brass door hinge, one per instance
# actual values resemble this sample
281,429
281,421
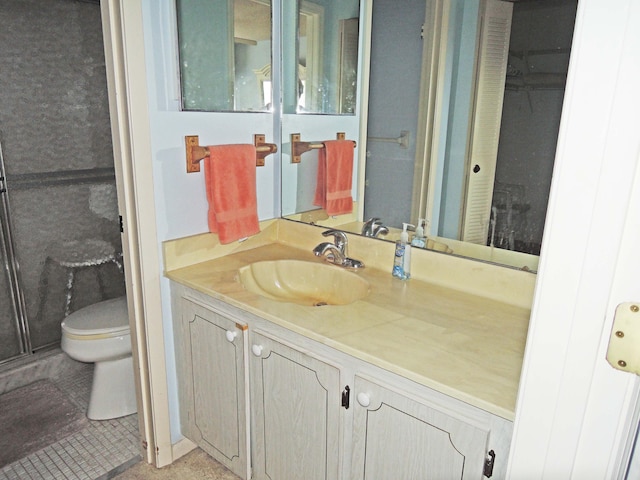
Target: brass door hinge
623,352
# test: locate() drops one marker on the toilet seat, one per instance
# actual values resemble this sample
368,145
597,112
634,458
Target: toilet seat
106,319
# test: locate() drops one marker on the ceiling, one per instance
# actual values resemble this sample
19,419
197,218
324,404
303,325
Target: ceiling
252,19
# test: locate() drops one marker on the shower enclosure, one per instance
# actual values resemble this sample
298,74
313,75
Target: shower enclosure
57,181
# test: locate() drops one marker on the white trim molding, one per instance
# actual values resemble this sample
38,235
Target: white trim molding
126,80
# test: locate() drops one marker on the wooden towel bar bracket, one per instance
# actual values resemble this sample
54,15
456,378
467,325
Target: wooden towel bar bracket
298,147
195,152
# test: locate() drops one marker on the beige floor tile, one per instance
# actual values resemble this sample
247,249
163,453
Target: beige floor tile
196,465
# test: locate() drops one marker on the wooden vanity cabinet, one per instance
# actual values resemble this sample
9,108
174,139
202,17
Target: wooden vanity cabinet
212,379
316,412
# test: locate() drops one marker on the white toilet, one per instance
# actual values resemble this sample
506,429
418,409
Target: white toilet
100,334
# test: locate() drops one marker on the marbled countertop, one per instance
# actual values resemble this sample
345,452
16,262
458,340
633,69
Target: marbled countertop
463,345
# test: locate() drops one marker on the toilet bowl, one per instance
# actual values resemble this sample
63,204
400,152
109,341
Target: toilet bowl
100,334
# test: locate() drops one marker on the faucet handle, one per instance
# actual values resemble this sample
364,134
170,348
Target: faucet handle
340,238
369,226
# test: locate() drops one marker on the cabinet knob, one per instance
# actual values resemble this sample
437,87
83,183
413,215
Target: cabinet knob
363,399
257,350
231,336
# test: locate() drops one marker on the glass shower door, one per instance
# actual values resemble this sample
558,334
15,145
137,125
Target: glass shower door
58,161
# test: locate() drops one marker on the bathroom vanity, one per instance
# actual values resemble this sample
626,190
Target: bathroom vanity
415,380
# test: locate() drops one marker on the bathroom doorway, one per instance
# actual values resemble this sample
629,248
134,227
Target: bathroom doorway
59,234
58,181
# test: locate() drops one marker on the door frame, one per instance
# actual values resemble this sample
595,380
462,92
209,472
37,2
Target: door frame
123,32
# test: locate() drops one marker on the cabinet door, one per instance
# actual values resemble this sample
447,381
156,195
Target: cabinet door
395,436
295,406
213,385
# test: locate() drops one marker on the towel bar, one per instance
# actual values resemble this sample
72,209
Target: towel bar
402,140
195,152
298,147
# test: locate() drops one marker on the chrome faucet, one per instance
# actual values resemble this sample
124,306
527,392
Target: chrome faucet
336,252
373,228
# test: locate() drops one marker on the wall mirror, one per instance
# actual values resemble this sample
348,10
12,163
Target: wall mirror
462,124
225,54
320,56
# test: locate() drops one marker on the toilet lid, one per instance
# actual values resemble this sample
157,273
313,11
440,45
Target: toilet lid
108,317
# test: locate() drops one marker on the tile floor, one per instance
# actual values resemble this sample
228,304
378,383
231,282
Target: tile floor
98,452
194,465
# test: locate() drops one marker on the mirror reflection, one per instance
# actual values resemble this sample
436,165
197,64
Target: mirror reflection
323,38
462,125
225,54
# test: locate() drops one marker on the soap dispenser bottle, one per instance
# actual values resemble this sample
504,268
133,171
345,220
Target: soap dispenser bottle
419,239
402,257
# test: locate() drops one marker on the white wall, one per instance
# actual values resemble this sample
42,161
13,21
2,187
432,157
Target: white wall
180,197
396,62
247,88
457,110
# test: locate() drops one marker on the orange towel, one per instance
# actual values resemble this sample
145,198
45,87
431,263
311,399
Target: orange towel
230,177
335,172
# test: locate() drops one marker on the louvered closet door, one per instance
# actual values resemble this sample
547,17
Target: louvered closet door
492,68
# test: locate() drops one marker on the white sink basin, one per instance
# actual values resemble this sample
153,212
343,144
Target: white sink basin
304,283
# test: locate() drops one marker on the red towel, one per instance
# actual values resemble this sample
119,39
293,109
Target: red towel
335,172
230,178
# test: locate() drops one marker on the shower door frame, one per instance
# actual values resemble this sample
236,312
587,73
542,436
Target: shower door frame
13,270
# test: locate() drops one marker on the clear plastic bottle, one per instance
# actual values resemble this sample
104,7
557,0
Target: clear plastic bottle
402,257
419,240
